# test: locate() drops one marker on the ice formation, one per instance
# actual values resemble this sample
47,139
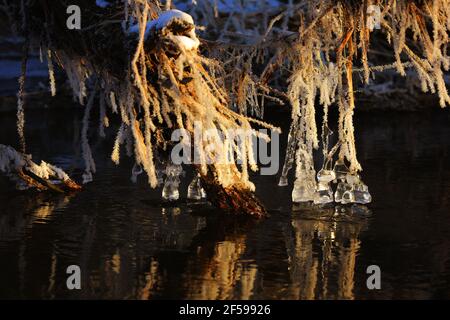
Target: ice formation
170,190
324,193
195,189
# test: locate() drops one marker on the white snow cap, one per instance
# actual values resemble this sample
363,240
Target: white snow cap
188,43
166,17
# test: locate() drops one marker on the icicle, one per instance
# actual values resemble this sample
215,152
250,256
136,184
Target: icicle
170,190
195,190
304,187
305,182
324,193
359,192
340,171
350,188
290,154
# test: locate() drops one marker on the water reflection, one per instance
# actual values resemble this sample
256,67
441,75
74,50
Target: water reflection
212,259
217,270
22,211
183,256
322,246
129,246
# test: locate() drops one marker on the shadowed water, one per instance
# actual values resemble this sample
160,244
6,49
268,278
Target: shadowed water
130,246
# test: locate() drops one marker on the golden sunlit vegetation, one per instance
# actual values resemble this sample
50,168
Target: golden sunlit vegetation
144,61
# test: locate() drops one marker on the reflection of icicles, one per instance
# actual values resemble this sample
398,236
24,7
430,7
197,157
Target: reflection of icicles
322,247
151,280
172,211
195,189
225,272
248,282
170,190
359,210
43,213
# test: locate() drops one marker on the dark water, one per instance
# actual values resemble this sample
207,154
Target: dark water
129,246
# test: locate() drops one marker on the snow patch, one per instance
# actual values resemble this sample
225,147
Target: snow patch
168,16
12,161
164,20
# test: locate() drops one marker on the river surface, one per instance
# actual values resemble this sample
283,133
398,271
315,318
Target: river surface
129,245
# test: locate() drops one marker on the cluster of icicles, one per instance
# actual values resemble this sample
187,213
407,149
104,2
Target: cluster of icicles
349,187
170,191
318,188
322,69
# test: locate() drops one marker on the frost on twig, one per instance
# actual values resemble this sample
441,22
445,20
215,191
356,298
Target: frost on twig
26,174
